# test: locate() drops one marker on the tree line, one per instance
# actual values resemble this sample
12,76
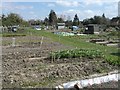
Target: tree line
52,20
13,19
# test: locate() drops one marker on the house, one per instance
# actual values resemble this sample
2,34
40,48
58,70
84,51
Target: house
92,29
60,26
115,21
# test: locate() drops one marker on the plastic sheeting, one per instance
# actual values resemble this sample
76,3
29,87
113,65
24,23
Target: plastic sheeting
64,33
87,82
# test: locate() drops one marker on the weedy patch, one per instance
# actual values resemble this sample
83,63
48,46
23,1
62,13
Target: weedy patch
77,53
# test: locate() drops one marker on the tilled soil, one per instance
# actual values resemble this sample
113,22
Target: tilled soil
29,66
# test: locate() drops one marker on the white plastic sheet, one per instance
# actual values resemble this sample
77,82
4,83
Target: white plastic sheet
87,82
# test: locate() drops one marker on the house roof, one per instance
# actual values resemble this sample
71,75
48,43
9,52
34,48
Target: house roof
116,19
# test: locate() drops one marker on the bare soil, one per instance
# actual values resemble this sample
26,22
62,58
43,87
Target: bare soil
27,65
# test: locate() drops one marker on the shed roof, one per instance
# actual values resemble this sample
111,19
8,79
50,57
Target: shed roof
60,23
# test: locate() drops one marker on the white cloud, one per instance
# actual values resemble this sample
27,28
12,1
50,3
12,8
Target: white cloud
51,5
98,2
82,14
22,7
111,10
75,3
31,12
89,13
119,9
89,2
72,11
7,6
11,6
68,3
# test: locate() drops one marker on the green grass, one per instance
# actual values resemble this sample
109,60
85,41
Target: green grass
75,42
80,43
21,32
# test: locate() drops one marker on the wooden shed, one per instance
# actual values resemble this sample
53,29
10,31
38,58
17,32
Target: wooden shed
60,26
92,29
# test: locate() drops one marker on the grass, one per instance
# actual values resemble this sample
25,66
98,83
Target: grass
75,42
80,43
14,34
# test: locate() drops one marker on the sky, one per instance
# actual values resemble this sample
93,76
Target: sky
119,9
39,9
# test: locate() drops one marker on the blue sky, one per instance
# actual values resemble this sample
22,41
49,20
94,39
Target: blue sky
63,8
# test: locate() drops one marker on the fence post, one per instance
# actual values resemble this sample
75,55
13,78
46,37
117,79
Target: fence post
41,42
13,42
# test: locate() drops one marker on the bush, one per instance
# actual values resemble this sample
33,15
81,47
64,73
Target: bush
114,33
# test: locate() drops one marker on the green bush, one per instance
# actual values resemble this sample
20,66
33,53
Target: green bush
114,33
